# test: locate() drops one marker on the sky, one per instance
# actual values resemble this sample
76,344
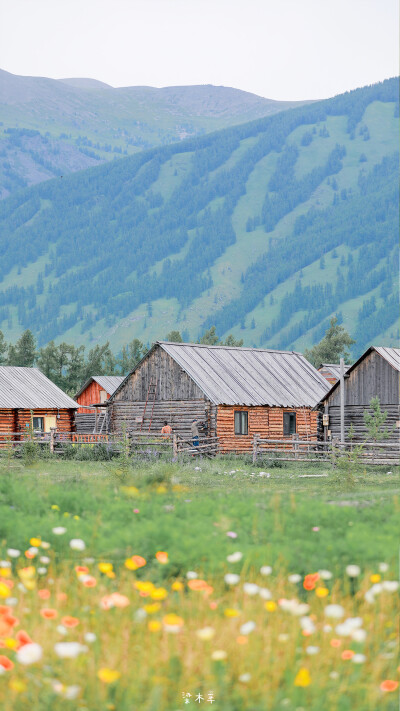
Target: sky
280,49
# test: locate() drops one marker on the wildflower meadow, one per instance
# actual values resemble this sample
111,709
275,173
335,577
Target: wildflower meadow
205,584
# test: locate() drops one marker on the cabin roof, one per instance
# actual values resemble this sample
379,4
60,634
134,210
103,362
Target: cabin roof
109,383
391,355
334,368
29,389
248,376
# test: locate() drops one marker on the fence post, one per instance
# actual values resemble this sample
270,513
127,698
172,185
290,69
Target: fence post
295,438
255,447
52,433
174,446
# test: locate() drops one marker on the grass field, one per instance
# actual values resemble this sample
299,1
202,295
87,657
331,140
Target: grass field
114,592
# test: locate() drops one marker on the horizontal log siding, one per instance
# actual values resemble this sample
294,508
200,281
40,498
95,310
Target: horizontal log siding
7,420
373,377
354,415
90,396
178,413
265,421
65,423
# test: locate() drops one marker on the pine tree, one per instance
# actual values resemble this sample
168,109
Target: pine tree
3,349
24,352
332,347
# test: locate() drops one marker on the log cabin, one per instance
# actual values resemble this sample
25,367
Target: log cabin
95,391
236,392
29,400
374,374
331,371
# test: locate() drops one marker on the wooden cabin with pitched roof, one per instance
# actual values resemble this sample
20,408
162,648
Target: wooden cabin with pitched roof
236,392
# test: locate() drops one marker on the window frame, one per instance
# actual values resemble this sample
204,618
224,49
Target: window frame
289,417
241,417
38,429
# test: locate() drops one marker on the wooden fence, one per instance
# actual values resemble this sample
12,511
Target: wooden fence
295,449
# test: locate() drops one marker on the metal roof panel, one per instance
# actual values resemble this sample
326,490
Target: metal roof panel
30,389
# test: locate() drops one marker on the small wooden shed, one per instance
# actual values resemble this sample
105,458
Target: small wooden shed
374,374
237,392
331,371
28,399
95,391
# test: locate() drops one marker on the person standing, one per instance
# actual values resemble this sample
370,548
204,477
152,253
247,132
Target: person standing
195,432
166,430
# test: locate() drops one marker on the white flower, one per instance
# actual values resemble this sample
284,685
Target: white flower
358,658
206,633
88,561
234,557
295,578
244,678
377,588
62,630
383,567
359,635
140,614
307,625
369,597
266,570
312,650
13,553
11,601
353,571
77,544
90,637
334,675
265,474
231,579
197,469
42,571
69,650
29,654
336,611
59,530
219,655
33,550
390,585
247,628
72,692
45,545
283,637
250,588
327,628
5,564
325,574
294,606
191,575
265,594
44,559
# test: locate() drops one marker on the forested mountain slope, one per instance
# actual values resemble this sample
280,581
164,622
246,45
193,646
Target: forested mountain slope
50,128
265,229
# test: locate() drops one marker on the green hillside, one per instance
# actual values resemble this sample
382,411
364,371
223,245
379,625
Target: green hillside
266,230
50,128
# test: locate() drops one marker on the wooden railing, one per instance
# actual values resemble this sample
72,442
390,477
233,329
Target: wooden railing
295,449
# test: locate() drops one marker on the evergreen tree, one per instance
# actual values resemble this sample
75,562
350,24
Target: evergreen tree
24,352
332,347
232,342
174,337
3,349
210,337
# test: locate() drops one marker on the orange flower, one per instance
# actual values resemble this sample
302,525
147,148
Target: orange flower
48,613
81,569
242,639
336,642
90,582
162,557
347,654
44,594
197,584
22,638
389,685
6,663
62,596
139,561
310,581
69,621
10,619
4,609
213,605
30,554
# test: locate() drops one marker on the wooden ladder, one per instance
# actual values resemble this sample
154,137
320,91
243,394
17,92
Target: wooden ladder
150,399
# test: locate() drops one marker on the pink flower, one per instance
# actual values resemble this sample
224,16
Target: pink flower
231,534
315,528
135,510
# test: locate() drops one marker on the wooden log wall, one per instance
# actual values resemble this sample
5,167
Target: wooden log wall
178,413
265,421
90,395
65,423
354,415
7,420
373,377
85,423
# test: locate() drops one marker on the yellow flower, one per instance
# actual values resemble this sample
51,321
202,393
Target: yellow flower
108,676
35,542
55,507
177,586
161,489
158,594
270,605
5,572
27,573
17,685
135,562
105,567
110,574
11,643
173,620
130,490
375,578
66,514
321,592
154,625
77,518
303,677
144,586
151,608
230,612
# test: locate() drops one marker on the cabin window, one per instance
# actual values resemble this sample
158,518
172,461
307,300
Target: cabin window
241,422
103,396
289,423
38,424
